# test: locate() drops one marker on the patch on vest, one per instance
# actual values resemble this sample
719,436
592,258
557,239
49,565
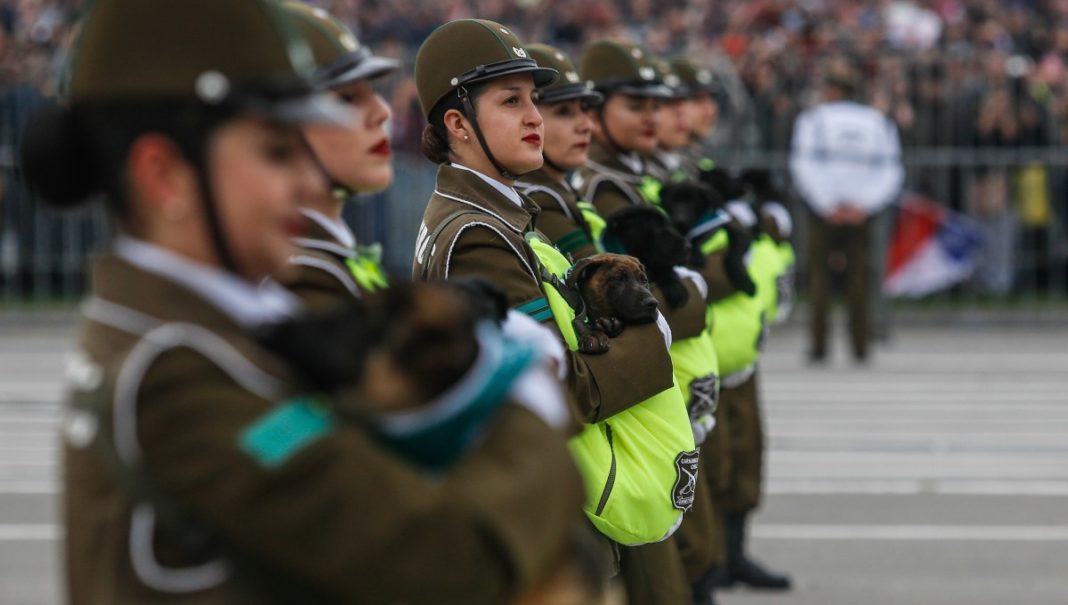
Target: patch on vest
704,396
686,465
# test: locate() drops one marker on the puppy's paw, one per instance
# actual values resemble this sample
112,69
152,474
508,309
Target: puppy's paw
609,325
593,343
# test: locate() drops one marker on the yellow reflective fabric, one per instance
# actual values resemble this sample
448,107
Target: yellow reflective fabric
366,268
595,222
650,190
738,326
631,463
766,268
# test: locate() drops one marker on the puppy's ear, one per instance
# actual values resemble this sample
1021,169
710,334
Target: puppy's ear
583,270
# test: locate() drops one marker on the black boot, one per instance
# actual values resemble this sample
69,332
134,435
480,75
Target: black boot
740,569
703,588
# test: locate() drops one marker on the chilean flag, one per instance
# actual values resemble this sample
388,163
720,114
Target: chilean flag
932,248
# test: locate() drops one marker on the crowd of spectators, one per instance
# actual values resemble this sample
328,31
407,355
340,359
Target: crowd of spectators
950,73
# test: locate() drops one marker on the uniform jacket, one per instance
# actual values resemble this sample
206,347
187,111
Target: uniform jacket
490,243
317,272
608,182
560,218
295,505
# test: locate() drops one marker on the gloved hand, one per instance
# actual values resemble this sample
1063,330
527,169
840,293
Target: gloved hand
734,261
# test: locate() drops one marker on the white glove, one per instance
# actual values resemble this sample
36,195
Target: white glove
702,427
522,327
539,391
695,277
665,329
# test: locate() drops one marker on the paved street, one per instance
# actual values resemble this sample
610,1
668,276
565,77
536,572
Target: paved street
936,475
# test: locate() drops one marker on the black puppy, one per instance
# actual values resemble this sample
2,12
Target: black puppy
645,233
688,204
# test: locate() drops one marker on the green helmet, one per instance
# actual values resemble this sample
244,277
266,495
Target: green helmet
569,85
624,67
162,50
667,74
696,79
339,56
468,51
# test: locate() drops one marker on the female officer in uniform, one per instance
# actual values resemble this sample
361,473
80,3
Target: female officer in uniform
619,176
330,266
484,130
197,467
572,225
476,85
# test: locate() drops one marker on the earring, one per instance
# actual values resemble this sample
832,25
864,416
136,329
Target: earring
466,138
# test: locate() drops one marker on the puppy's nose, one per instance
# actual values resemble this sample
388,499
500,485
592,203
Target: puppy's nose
649,304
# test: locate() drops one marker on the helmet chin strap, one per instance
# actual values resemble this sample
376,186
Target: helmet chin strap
616,147
338,190
211,214
469,112
552,164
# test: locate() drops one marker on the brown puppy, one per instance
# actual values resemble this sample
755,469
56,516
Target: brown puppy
615,290
397,348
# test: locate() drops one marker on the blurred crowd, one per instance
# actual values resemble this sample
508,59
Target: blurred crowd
949,72
989,74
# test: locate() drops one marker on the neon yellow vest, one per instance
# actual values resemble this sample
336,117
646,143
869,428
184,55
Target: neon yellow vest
366,268
766,267
595,222
738,326
635,464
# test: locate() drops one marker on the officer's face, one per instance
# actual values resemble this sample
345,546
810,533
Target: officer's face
258,173
632,122
673,131
703,112
511,123
568,129
358,156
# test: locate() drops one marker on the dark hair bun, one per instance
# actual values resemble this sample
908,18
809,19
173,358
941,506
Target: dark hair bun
434,146
55,158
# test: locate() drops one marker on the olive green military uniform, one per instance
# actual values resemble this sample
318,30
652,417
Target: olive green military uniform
561,220
654,574
326,271
293,501
489,242
196,468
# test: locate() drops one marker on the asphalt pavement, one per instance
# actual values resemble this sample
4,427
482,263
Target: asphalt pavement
936,474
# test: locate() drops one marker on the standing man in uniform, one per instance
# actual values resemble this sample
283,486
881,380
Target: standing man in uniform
845,161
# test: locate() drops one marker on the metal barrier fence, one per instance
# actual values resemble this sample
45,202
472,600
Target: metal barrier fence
1017,197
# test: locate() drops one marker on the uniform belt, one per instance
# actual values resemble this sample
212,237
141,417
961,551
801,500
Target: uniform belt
735,379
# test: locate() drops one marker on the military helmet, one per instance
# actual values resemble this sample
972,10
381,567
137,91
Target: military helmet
622,66
697,79
469,51
671,80
569,85
162,50
339,56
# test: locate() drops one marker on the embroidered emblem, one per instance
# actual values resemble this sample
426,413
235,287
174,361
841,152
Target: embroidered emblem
686,465
704,396
519,52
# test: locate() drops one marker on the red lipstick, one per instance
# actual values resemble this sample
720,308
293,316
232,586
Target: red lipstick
382,148
533,139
